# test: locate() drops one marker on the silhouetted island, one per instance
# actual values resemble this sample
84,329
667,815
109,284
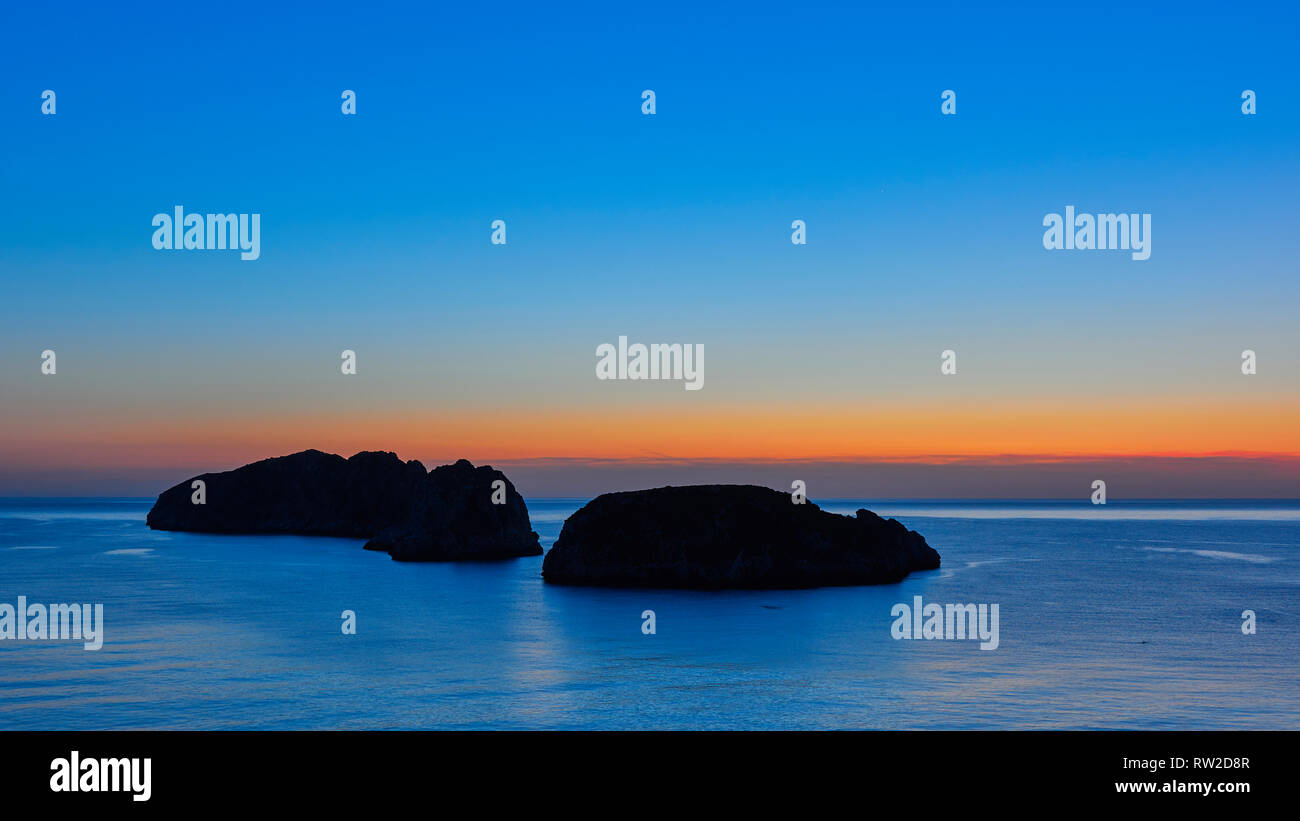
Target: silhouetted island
445,514
728,536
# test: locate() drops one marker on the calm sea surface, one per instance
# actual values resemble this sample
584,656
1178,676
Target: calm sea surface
1123,616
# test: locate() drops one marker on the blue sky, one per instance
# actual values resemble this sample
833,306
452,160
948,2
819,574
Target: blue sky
924,230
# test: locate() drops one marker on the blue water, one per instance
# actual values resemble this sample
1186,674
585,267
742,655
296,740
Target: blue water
1127,616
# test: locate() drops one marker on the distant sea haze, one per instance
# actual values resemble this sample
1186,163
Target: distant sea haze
1191,477
1124,616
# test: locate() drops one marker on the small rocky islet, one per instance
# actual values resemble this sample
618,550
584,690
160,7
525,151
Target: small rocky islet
729,537
445,514
707,537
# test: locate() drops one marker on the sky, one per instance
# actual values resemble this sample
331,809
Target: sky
924,234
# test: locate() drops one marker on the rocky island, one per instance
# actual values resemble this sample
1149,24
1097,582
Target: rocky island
728,536
445,514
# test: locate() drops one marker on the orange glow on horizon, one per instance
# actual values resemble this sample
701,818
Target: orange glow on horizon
884,432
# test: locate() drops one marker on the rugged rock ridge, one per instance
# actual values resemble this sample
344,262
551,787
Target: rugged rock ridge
441,515
728,536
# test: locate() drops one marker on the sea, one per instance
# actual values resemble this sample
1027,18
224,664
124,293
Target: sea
1132,615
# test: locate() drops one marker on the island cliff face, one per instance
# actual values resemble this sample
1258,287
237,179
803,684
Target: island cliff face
728,536
441,515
